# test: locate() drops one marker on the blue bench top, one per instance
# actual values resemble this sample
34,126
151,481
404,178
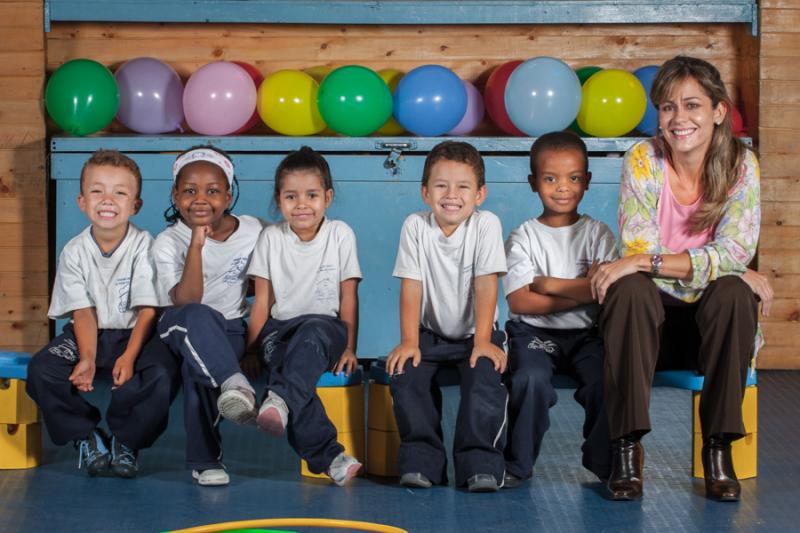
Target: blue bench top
14,365
329,379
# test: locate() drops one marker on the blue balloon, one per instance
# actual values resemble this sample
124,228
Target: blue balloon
649,123
430,100
543,94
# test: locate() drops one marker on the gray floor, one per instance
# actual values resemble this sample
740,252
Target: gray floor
561,497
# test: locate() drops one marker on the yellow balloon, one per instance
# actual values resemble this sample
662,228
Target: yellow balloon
392,78
613,103
287,103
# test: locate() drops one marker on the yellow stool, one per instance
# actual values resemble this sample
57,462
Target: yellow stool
383,438
343,399
745,450
20,431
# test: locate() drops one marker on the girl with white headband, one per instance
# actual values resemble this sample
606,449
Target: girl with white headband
202,260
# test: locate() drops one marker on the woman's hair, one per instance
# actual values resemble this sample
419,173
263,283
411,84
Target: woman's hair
458,151
725,155
171,214
303,159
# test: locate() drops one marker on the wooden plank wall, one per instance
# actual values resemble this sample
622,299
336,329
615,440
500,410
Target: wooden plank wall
779,143
23,212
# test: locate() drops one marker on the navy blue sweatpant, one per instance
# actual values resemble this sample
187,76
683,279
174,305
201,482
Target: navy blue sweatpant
209,348
481,424
139,409
297,352
534,354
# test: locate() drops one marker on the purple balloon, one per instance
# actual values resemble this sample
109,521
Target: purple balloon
219,98
474,113
150,96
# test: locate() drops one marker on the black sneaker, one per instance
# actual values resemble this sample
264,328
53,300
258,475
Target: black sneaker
510,481
123,459
482,483
93,452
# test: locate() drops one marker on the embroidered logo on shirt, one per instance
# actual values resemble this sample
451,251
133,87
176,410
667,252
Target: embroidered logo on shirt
234,274
124,294
66,350
539,344
327,288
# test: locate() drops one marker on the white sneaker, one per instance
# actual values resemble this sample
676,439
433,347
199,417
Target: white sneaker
273,415
343,468
212,477
238,406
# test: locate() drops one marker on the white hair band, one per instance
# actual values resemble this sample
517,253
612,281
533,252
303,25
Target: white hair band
204,154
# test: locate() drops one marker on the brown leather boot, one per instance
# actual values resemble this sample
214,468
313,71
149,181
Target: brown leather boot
721,482
627,462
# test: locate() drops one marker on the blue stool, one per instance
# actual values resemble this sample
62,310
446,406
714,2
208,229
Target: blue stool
745,450
20,431
343,398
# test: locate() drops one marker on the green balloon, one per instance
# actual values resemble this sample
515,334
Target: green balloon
82,96
584,73
354,100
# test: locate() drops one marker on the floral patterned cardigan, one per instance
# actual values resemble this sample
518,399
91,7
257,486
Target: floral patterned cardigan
734,239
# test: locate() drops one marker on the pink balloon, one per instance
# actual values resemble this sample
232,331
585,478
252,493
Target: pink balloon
219,98
474,113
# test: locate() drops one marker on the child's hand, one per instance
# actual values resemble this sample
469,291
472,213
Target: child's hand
347,362
123,370
490,351
251,365
398,357
82,375
199,234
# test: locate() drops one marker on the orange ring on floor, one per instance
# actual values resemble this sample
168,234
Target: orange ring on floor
291,522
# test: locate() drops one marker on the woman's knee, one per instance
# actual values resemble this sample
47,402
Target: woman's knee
633,287
731,290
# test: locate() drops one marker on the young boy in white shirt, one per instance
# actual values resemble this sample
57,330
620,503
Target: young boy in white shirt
552,312
448,260
105,283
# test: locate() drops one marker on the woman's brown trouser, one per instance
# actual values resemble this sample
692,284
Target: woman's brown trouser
645,329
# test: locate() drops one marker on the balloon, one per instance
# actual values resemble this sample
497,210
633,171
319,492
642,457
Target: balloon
543,94
150,96
474,113
613,103
257,78
287,103
219,98
319,72
737,123
584,73
649,123
82,96
391,77
430,100
354,100
494,96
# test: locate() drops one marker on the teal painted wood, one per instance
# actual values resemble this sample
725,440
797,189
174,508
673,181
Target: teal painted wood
406,11
373,200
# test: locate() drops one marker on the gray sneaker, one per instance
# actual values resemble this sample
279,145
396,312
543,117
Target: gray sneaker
482,483
237,405
415,480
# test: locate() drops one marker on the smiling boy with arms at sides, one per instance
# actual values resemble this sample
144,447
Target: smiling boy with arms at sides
105,284
448,262
552,314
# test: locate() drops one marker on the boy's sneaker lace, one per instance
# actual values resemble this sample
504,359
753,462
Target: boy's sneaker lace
93,452
237,405
343,468
273,415
123,459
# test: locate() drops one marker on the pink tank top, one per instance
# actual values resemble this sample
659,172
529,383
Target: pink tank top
674,221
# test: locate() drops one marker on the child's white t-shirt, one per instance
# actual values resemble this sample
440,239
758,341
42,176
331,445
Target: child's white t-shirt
113,284
534,249
224,264
306,276
447,267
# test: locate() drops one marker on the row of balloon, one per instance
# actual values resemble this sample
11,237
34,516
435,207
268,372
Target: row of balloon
521,97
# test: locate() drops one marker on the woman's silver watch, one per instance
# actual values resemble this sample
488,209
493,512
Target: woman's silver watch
655,264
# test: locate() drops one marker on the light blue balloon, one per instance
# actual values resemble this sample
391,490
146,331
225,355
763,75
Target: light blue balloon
543,94
649,123
430,100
